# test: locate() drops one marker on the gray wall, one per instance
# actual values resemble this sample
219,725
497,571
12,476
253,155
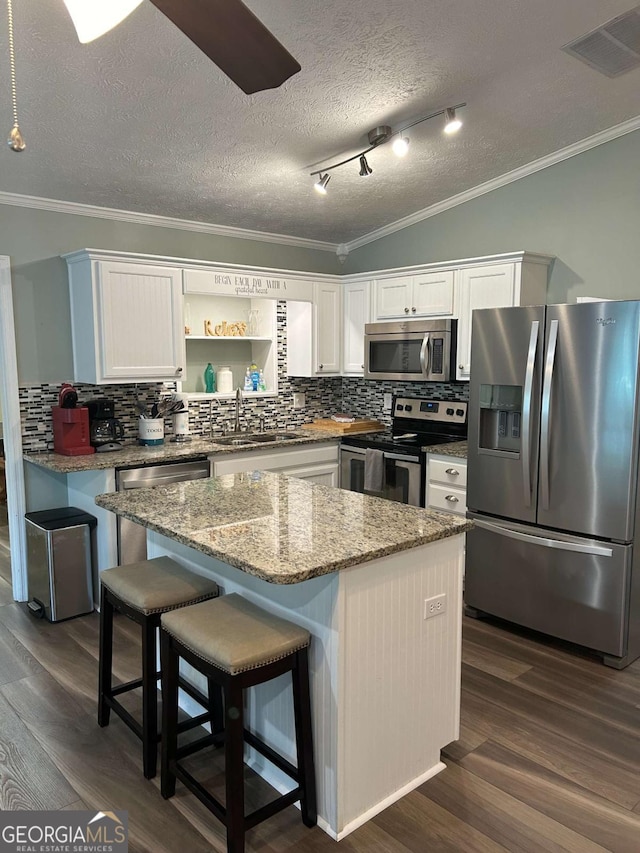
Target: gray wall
585,211
34,240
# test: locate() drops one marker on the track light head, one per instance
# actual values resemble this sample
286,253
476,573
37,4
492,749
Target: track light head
365,168
451,123
400,145
321,184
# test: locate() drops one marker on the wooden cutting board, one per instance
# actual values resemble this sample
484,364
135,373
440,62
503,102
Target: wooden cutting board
357,426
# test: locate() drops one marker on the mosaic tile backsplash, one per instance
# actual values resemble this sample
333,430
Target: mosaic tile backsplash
323,396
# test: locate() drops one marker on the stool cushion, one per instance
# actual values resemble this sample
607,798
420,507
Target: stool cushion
154,586
234,634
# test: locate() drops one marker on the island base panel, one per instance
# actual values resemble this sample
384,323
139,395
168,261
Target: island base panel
385,681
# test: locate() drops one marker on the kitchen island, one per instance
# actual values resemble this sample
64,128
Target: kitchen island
361,574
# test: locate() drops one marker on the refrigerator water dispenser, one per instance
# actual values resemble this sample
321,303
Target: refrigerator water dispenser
500,417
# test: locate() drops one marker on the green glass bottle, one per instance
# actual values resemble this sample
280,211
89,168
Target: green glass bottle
209,379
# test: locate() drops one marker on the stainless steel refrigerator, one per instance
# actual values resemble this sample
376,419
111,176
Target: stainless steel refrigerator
553,472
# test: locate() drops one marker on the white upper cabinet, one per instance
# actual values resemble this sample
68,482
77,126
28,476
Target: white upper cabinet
357,312
314,332
499,285
429,294
126,320
327,299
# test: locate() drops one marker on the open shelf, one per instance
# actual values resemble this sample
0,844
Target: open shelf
226,338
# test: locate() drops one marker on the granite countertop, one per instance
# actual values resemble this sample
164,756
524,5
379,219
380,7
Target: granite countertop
278,528
458,449
171,451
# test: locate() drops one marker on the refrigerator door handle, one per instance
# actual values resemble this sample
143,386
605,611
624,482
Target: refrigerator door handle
546,414
423,361
526,411
595,550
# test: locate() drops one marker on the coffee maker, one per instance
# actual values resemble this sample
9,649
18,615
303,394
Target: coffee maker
70,424
104,428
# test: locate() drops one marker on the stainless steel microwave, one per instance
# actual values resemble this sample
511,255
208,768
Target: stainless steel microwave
413,350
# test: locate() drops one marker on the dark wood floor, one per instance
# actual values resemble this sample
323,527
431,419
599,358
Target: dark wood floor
548,758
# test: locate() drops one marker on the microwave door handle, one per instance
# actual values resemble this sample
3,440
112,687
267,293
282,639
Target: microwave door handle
545,436
424,363
527,410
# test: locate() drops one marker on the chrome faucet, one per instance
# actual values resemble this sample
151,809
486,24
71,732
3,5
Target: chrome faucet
236,427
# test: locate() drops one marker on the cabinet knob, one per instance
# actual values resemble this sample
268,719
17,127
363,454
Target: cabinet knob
461,367
320,366
451,498
406,310
452,471
362,366
178,370
413,310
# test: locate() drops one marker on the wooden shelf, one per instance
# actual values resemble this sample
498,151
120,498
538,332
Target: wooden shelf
226,338
202,395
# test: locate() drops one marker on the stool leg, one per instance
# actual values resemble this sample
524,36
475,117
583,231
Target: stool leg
105,657
304,737
234,767
149,699
216,708
169,664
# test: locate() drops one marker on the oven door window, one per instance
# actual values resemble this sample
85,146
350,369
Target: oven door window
396,356
401,480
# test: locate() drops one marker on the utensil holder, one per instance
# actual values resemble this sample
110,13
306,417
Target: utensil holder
151,431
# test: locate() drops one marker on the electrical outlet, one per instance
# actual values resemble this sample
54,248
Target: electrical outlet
387,401
299,401
435,605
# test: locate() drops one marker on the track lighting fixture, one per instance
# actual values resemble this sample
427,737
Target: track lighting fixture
321,184
379,136
451,123
365,168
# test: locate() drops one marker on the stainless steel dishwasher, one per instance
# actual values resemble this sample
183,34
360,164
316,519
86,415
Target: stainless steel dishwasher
132,537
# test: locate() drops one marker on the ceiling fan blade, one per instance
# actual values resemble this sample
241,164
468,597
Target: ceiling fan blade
231,35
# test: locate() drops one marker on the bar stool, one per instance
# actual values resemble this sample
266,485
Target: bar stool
143,592
237,645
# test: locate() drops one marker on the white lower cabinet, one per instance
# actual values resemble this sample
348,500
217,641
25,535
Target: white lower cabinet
446,486
318,463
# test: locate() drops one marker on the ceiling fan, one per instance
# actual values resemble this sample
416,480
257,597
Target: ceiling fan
225,30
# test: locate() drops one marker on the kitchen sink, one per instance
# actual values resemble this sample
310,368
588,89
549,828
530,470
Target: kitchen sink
248,439
273,436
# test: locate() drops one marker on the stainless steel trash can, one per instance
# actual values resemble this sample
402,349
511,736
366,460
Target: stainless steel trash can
59,562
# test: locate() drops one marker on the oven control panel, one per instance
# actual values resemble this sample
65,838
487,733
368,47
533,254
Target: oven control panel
440,411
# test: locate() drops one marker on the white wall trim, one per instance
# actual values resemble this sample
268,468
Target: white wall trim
501,181
14,467
77,209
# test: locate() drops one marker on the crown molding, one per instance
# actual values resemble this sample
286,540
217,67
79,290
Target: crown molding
501,181
77,209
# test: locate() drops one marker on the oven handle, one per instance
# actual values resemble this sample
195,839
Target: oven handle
395,456
423,361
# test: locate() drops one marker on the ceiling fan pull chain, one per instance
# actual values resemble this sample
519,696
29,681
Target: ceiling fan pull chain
15,141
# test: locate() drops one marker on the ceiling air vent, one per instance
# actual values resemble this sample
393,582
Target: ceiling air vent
612,49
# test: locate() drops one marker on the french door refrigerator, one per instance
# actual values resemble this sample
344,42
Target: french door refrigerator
553,472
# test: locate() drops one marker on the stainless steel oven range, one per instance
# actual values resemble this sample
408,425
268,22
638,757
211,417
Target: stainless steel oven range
392,464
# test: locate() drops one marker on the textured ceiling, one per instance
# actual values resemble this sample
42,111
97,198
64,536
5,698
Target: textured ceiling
141,120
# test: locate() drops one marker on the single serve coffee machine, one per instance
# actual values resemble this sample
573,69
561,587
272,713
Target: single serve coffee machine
70,424
105,430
